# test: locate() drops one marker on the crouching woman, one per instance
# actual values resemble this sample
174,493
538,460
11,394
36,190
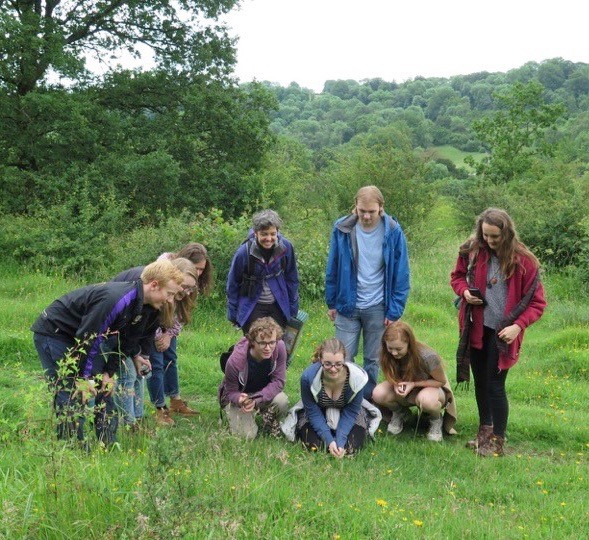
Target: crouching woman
332,413
414,377
255,375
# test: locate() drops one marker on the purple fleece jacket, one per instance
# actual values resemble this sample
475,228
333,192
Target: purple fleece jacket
236,373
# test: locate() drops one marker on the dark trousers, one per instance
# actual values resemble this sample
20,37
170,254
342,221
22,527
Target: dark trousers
489,384
70,411
266,310
308,436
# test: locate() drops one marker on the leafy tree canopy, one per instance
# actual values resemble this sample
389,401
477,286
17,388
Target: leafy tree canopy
37,35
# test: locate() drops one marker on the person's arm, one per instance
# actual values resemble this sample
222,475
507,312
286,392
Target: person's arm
331,272
400,283
458,276
537,304
316,417
103,316
291,277
234,279
232,387
437,380
277,378
347,419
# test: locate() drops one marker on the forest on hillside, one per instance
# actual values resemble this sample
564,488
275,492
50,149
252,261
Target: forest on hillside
102,173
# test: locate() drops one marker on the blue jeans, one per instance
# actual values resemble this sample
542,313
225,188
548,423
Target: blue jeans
129,395
70,411
370,322
164,374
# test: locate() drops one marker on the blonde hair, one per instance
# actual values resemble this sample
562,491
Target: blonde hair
181,308
162,271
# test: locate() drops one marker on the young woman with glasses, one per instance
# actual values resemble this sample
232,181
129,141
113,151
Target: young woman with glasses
333,413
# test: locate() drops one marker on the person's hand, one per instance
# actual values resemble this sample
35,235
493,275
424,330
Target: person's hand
388,321
331,313
335,451
403,388
509,333
86,389
163,342
246,403
471,298
108,385
141,361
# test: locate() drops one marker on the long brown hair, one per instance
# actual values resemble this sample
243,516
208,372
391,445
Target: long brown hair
182,309
196,253
511,249
392,370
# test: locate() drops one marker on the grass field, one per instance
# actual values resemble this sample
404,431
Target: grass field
196,481
455,155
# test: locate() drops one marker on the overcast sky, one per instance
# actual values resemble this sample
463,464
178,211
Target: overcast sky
311,41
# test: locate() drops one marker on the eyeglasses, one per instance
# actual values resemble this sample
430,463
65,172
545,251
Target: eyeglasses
266,343
329,365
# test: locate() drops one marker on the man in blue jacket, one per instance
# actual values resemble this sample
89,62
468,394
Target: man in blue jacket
367,277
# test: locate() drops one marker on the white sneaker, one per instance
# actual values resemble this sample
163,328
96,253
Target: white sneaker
435,430
396,424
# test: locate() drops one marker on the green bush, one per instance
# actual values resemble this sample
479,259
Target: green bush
550,208
72,238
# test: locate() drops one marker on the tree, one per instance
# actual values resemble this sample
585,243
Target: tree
515,132
37,35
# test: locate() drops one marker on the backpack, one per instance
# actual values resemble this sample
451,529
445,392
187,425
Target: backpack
224,357
249,280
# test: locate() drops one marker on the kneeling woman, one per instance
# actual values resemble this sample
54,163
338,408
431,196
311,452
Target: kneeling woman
414,377
332,413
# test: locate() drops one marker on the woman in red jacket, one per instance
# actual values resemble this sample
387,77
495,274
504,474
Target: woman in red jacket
497,277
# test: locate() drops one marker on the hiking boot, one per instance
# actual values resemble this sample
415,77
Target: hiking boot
270,423
493,446
180,406
435,430
398,419
482,435
162,417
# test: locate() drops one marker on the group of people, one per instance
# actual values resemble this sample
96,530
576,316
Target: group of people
137,318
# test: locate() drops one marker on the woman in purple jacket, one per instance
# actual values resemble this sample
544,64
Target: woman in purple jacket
255,374
263,280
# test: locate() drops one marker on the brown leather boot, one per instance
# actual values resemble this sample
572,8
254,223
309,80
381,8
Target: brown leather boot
180,406
492,447
163,418
482,435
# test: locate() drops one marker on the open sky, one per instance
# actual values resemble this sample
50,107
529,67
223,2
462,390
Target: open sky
311,41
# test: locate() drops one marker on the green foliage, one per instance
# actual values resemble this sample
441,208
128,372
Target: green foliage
37,36
549,207
386,160
72,237
516,132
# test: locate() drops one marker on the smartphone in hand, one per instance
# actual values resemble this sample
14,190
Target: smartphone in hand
475,291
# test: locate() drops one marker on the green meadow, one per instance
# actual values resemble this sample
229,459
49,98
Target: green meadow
195,480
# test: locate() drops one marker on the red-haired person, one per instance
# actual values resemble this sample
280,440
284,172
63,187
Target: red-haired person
497,278
414,376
